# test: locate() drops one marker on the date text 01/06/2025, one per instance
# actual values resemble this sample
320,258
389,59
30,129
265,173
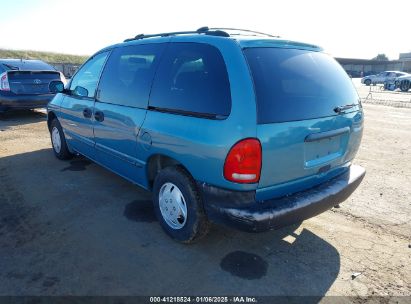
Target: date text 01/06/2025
209,299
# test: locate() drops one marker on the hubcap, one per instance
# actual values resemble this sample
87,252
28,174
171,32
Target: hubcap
173,206
56,140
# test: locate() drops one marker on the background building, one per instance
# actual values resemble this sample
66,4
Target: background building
363,67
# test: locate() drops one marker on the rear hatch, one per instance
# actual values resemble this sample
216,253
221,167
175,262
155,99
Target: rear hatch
309,117
31,82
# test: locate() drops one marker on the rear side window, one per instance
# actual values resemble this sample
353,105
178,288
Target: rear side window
295,84
128,75
192,79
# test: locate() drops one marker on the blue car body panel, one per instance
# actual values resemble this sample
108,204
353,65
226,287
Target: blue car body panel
199,144
130,137
77,129
293,164
116,140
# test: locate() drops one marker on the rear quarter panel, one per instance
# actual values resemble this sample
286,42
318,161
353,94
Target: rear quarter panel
200,144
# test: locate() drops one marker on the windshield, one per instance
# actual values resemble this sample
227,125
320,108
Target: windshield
293,84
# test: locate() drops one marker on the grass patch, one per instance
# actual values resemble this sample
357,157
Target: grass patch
45,56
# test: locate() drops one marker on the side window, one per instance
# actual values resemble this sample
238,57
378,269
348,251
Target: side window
87,77
192,79
128,74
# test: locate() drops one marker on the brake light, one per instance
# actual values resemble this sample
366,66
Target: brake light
243,162
4,82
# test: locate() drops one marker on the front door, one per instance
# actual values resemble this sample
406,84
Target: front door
77,107
120,108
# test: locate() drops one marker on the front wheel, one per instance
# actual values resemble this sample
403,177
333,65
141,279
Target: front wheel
178,205
367,82
58,141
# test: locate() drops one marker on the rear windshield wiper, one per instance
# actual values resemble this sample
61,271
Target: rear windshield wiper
340,109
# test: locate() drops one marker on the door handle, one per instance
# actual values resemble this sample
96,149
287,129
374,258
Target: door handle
87,113
99,116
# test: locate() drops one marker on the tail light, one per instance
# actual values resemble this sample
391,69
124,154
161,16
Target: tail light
243,162
4,82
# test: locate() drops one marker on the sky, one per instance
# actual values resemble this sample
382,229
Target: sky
351,29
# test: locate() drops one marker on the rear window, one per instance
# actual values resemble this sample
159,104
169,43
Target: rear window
293,84
192,80
43,75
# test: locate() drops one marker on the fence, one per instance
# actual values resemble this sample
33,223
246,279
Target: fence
379,95
68,69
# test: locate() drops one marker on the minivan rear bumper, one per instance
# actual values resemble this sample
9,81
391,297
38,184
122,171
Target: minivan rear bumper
240,209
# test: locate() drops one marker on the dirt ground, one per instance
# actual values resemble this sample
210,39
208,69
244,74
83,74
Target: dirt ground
74,228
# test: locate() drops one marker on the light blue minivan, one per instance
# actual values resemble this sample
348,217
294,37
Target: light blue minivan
222,125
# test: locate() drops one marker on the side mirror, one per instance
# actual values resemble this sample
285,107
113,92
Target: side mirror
80,91
56,86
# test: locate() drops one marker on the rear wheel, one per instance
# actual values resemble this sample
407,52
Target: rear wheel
58,141
178,205
405,86
367,82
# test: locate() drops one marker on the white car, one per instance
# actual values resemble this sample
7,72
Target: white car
403,82
386,76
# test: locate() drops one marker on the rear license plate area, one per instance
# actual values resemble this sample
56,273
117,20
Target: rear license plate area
323,151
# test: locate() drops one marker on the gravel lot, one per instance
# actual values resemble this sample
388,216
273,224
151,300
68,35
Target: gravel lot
74,228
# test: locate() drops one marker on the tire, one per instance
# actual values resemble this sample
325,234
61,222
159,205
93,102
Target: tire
58,141
367,82
405,86
168,185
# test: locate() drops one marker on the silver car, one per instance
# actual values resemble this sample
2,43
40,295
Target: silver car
386,76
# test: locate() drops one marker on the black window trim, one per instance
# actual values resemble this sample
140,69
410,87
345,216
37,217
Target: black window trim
188,113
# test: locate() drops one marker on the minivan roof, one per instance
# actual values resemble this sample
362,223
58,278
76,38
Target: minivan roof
245,38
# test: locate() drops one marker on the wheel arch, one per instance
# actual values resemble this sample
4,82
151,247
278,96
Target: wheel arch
50,117
156,163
